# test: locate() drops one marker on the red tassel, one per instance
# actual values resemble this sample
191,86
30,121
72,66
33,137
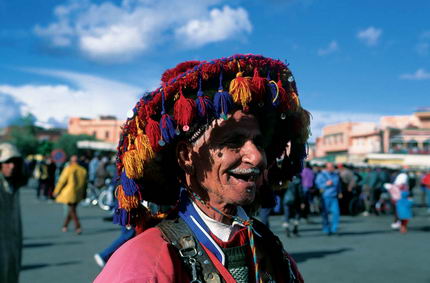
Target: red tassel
284,100
258,86
152,130
184,111
179,69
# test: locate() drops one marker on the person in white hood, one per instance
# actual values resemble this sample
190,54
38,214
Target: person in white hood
395,189
11,179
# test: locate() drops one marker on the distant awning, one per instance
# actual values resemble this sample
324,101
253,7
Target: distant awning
97,145
413,160
396,139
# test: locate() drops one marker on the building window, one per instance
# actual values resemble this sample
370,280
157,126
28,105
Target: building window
107,134
94,133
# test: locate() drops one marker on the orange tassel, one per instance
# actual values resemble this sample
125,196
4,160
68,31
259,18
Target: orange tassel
240,90
295,102
143,145
133,165
124,201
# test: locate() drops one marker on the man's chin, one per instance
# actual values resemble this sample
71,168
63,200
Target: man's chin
246,199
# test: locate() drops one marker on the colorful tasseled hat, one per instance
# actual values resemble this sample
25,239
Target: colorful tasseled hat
191,96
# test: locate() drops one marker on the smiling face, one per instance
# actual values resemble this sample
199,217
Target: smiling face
228,161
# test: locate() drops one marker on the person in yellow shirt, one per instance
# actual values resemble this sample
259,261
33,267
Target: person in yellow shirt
70,190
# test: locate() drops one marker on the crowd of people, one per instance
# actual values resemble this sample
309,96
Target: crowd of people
81,178
331,190
327,190
214,160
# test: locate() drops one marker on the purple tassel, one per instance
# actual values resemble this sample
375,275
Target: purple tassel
128,185
120,217
222,101
273,87
167,127
204,105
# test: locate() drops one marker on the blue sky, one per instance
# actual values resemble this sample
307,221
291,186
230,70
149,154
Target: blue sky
353,60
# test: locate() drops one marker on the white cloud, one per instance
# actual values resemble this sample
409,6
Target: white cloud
370,36
115,33
10,109
425,35
320,119
423,48
423,45
221,25
419,75
332,47
93,96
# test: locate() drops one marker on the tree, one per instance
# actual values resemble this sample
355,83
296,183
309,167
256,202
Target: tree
23,134
68,143
45,147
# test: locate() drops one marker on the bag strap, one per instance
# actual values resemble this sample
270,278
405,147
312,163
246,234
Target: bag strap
273,250
196,260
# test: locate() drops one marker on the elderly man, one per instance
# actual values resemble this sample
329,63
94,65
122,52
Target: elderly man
11,179
208,158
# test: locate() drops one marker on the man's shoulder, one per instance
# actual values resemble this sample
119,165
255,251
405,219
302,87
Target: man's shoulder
140,258
148,241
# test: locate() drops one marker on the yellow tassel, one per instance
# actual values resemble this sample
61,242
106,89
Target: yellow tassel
133,164
240,89
124,201
160,215
143,146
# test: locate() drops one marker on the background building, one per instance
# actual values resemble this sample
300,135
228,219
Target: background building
105,128
358,141
407,134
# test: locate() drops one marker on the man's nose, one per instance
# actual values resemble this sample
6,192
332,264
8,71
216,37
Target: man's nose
252,154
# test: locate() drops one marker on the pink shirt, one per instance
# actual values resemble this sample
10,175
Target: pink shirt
156,262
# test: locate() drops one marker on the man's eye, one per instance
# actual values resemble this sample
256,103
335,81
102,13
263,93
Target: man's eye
259,142
233,144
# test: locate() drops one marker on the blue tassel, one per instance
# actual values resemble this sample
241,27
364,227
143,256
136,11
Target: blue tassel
120,217
273,87
204,105
222,101
128,185
167,125
168,128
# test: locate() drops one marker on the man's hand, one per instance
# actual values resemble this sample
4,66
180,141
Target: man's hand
329,183
340,195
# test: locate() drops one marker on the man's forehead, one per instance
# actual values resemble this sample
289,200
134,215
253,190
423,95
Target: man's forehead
238,124
244,123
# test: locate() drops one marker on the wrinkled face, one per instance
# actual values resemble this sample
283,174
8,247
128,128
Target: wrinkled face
229,160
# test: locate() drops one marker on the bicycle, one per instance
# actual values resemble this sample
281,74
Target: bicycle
356,204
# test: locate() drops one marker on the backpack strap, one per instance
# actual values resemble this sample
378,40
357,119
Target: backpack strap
271,250
195,259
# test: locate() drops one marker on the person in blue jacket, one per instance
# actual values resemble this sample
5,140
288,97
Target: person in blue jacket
328,182
404,210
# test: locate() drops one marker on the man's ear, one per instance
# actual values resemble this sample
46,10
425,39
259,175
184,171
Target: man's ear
184,156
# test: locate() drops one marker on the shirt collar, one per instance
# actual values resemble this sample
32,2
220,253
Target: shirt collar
221,230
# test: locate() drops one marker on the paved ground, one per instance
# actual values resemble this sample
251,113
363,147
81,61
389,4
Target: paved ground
366,250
